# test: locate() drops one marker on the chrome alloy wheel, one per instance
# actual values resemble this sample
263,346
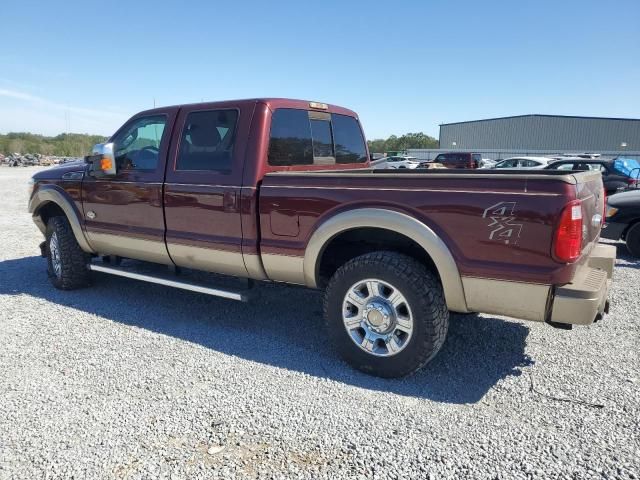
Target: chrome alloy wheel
377,317
54,251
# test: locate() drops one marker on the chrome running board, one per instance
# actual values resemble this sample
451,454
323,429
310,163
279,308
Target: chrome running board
169,283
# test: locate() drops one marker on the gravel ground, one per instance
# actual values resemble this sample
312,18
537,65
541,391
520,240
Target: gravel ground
129,380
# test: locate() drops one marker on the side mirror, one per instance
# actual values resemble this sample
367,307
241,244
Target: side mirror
102,161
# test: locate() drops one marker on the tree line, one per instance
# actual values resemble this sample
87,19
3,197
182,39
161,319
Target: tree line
63,145
78,144
408,140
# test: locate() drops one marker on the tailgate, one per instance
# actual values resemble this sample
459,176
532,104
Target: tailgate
590,190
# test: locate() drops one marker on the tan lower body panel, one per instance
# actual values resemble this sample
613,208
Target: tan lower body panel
524,301
284,268
207,259
198,258
254,265
129,247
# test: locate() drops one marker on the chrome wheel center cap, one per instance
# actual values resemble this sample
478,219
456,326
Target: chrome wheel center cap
378,316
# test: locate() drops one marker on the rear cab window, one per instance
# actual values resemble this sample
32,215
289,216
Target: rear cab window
307,137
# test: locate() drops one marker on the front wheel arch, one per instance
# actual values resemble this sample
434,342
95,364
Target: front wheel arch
47,196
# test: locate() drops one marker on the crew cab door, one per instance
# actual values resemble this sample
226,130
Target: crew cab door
203,186
124,213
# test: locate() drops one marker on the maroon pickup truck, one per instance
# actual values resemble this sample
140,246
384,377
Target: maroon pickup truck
281,190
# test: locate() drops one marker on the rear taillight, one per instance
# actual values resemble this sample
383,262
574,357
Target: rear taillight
567,244
604,206
632,182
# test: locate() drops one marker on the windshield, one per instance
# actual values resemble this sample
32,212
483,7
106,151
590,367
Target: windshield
626,166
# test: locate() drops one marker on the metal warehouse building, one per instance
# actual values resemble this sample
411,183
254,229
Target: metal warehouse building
544,133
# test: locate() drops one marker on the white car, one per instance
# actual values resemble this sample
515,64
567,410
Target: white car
529,163
403,161
487,163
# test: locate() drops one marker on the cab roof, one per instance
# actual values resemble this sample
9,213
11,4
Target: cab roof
271,103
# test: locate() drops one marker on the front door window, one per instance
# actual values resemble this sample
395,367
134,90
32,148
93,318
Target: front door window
137,146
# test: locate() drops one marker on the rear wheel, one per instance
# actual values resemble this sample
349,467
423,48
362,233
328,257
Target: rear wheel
66,262
386,314
633,240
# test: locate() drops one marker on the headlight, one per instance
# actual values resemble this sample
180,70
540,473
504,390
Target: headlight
30,184
611,211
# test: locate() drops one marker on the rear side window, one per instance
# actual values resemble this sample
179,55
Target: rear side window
301,137
529,163
207,141
290,142
451,157
512,163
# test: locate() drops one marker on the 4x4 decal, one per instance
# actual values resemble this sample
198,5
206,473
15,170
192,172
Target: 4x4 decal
503,227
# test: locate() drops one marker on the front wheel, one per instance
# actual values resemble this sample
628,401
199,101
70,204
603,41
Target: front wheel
386,314
66,262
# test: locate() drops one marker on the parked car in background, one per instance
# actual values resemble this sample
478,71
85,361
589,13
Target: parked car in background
623,220
430,164
459,160
530,163
618,174
402,161
577,155
487,163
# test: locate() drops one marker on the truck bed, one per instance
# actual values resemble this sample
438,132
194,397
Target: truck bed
497,224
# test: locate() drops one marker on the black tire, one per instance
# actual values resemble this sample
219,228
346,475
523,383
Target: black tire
633,240
424,296
73,272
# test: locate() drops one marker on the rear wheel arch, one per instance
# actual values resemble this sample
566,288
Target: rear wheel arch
422,243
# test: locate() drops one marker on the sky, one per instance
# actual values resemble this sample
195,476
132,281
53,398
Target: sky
404,66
